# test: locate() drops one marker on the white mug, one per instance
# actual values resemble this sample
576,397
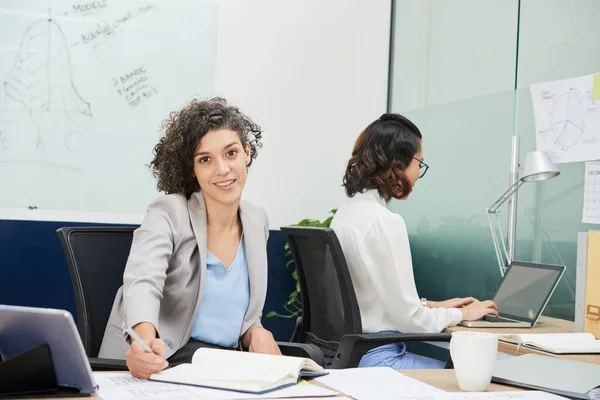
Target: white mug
474,356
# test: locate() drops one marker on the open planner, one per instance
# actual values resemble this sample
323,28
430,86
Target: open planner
557,343
240,371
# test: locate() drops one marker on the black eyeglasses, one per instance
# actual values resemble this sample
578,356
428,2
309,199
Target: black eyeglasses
422,167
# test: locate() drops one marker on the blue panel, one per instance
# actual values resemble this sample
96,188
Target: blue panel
280,286
33,271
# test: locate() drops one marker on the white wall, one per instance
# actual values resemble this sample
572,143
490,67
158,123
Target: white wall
313,73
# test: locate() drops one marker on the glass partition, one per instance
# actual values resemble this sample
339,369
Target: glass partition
461,71
557,40
453,76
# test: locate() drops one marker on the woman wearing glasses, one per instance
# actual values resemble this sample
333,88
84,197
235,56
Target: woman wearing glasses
386,163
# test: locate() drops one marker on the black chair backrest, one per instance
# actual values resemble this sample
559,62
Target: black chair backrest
329,306
96,257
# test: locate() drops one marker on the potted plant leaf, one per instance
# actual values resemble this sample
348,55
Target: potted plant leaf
293,307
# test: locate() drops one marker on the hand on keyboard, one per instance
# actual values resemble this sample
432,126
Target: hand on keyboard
476,310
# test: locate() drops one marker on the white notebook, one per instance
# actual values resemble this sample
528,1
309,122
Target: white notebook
240,371
557,343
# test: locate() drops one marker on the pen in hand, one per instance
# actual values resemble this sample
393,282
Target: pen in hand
138,339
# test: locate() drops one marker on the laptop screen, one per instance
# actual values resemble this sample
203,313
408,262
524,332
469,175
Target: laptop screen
525,290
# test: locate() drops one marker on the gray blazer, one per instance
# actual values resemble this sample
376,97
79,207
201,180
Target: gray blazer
163,284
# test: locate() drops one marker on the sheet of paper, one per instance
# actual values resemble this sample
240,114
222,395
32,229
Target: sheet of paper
122,386
514,395
567,119
591,193
376,384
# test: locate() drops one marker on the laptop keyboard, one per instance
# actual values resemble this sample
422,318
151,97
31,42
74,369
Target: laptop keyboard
493,318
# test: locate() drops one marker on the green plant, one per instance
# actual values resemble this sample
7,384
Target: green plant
293,307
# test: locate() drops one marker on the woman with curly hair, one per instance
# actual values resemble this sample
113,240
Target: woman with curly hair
196,275
386,163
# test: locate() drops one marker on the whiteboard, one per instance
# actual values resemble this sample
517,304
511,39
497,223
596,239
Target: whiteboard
86,86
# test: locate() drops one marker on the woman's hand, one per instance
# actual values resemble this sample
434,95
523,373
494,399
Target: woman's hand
478,309
260,340
142,364
456,302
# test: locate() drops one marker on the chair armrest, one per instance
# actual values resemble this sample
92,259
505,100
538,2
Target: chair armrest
297,331
306,350
353,347
107,364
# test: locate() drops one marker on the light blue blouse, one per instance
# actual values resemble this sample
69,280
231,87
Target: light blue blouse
225,301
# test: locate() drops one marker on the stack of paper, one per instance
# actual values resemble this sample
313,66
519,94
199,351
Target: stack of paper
376,384
388,384
529,395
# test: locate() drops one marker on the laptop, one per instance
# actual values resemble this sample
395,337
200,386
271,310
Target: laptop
521,295
568,378
25,328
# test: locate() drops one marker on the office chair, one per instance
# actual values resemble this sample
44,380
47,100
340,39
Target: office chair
96,257
330,314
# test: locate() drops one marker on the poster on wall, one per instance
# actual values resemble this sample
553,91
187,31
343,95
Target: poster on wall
567,119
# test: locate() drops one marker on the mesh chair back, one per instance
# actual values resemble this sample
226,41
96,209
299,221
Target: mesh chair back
329,306
96,257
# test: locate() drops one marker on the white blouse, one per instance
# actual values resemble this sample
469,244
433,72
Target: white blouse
375,244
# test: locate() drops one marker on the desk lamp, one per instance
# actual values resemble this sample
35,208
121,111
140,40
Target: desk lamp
537,167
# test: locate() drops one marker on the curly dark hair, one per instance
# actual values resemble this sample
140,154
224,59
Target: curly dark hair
380,156
173,163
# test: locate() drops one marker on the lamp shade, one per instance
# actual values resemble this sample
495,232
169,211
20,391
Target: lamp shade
538,166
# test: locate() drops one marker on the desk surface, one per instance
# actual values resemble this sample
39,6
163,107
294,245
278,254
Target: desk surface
544,325
446,380
440,378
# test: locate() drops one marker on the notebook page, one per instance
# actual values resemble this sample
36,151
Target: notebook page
565,341
245,360
218,375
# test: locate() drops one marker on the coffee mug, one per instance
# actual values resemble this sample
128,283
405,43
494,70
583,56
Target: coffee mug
474,357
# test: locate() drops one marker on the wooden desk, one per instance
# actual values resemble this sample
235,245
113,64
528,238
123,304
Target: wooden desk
446,380
544,325
440,378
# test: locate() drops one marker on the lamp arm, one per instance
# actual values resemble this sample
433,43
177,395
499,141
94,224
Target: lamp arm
495,241
493,209
496,228
499,243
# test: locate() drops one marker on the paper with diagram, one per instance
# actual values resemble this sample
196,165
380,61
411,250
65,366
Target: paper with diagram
567,119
